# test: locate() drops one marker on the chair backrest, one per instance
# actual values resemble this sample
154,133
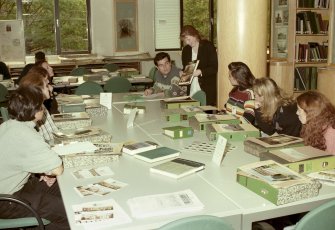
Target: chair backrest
152,73
117,85
3,93
320,218
79,71
4,114
112,67
36,220
200,96
88,88
202,222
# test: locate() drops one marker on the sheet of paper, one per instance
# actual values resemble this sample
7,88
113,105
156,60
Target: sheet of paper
219,151
131,118
106,99
75,147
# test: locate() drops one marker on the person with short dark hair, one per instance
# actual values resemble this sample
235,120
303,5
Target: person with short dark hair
40,60
241,101
24,153
4,70
317,116
167,78
205,77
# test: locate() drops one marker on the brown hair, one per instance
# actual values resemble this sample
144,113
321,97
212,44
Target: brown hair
25,102
320,114
242,74
189,30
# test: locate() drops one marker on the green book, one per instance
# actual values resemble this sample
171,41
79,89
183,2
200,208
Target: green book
154,155
178,131
178,168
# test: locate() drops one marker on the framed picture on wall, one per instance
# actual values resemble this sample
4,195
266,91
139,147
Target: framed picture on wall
126,27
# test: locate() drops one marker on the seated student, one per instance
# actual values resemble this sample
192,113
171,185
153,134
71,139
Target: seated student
4,71
241,97
40,60
274,112
38,77
167,78
317,116
23,153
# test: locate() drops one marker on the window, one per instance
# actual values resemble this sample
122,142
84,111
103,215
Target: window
52,26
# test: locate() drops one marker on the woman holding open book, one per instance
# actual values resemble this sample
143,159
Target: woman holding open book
274,111
317,115
205,77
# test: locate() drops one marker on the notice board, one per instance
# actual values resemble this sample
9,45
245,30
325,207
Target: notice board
12,43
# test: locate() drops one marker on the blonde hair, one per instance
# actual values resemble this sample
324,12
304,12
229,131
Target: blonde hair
274,97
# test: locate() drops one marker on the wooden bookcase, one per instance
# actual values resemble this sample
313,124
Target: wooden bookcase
301,42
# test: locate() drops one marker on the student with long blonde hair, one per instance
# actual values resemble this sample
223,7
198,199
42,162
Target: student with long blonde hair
317,115
274,111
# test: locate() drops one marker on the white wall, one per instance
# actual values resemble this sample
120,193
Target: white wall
102,25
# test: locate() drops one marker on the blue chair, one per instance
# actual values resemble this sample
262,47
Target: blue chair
111,67
79,71
4,114
200,96
202,222
320,218
23,222
89,88
117,85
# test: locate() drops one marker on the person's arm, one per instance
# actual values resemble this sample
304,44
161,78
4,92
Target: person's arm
56,171
208,54
264,126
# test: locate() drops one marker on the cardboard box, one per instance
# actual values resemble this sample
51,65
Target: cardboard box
176,103
233,132
200,121
177,132
65,121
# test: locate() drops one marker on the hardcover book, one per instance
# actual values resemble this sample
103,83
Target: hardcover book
178,131
178,168
276,182
189,72
234,132
304,159
138,147
256,145
199,121
158,154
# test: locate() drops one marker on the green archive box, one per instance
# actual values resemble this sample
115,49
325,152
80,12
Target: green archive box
176,132
175,103
200,121
304,159
233,132
277,183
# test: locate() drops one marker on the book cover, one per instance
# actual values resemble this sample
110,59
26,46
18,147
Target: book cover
189,72
178,168
158,154
70,116
235,132
138,147
178,131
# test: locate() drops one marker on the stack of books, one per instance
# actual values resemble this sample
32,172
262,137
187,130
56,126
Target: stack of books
138,147
233,132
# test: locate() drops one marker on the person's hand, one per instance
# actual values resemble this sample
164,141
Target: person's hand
197,73
257,104
184,78
48,180
148,92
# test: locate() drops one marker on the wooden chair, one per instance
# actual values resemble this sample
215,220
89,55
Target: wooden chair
23,222
79,71
202,222
117,85
88,88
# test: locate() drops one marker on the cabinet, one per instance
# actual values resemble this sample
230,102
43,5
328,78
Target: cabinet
301,40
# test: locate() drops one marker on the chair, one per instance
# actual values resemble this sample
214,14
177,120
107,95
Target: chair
88,88
3,93
4,114
79,71
202,222
35,220
152,73
117,85
319,218
111,67
200,96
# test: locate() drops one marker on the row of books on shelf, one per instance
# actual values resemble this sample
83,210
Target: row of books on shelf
309,22
324,4
311,52
305,78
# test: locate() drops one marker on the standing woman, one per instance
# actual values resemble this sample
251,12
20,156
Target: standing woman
317,115
203,50
274,111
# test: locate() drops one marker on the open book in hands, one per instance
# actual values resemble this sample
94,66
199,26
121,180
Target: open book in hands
189,73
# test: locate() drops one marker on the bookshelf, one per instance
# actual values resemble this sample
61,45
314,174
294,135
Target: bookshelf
301,40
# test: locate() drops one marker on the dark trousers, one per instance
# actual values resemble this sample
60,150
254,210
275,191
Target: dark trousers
46,201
